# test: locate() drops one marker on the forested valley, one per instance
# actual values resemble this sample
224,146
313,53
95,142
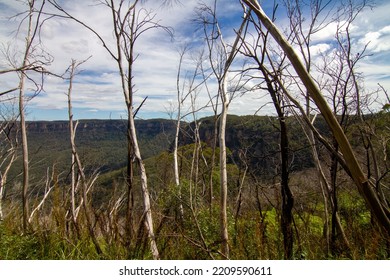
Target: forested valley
187,220
308,178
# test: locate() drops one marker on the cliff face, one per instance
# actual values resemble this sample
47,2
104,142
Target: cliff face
147,127
46,126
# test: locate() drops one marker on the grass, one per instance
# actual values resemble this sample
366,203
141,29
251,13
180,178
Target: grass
250,238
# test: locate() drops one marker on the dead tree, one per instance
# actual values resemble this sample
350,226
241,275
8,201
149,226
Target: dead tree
8,151
221,59
76,162
187,88
286,193
303,28
366,189
32,61
271,76
72,72
129,21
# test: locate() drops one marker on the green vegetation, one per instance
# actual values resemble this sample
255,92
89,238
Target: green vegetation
186,218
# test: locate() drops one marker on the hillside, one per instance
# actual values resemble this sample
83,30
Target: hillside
101,144
255,140
252,140
187,215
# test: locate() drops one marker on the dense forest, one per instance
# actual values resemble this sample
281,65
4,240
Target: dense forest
308,181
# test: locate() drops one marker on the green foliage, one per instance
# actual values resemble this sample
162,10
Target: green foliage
254,229
40,246
13,246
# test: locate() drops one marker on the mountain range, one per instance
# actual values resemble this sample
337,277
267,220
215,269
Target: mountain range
102,143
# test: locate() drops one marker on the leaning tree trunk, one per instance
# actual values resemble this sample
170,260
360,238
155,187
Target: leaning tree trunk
337,230
366,189
326,189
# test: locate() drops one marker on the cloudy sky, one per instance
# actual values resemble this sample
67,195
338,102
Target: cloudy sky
97,91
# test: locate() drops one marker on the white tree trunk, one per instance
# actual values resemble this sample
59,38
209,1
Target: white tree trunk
176,164
23,119
223,171
76,161
3,179
1,195
72,133
145,191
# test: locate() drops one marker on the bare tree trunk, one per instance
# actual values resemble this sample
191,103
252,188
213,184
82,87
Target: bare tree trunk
324,188
336,226
213,156
129,183
128,24
333,196
194,172
29,38
175,157
72,140
134,154
177,133
240,185
1,196
220,67
364,186
30,62
176,167
72,134
223,171
32,30
145,191
24,154
4,175
321,176
287,196
325,185
80,168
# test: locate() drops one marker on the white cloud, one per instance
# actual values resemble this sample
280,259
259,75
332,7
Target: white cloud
98,87
377,41
76,46
319,49
325,34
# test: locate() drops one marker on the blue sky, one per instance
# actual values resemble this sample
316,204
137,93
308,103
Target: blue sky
97,91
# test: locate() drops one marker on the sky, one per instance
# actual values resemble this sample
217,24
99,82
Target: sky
97,90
